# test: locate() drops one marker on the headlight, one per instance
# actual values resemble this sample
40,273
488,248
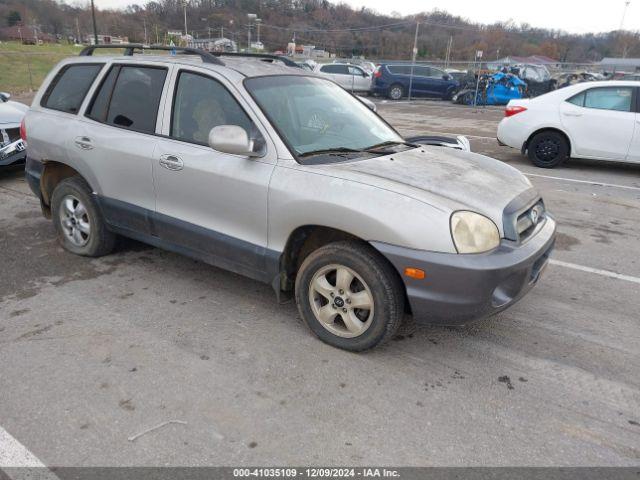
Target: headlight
473,233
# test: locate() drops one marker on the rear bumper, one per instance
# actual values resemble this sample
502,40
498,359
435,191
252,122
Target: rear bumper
461,288
33,172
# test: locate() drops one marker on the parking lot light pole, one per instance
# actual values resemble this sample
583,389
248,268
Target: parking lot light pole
413,60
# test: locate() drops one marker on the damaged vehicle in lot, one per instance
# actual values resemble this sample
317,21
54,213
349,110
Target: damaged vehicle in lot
12,148
288,179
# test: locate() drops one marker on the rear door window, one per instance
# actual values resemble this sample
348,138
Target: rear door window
129,97
400,69
69,87
339,69
609,98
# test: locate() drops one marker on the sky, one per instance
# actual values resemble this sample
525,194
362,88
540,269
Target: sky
573,16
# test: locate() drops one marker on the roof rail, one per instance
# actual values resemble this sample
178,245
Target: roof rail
265,56
129,48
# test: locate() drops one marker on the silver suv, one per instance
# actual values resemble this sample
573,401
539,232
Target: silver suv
282,176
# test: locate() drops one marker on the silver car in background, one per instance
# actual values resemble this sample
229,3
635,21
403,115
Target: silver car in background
12,148
352,78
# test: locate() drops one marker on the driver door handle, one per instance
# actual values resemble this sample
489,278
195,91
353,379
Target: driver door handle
572,114
171,162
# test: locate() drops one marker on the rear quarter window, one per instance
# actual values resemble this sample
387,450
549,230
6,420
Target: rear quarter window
69,87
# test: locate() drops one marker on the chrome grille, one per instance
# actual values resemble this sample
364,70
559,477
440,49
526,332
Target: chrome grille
529,219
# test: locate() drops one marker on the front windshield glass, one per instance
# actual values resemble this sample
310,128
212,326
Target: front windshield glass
316,115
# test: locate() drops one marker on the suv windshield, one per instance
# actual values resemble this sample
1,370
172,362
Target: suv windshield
314,115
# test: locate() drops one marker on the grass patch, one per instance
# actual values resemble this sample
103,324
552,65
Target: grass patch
24,67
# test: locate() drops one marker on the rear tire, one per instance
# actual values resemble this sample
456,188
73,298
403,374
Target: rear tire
548,149
77,219
396,92
336,280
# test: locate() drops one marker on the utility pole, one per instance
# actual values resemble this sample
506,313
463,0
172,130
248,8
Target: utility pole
95,26
250,16
78,38
258,22
449,47
144,22
184,6
413,60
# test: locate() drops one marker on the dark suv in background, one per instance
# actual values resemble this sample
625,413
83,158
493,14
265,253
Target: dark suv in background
393,79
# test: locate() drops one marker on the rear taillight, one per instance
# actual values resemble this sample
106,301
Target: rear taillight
378,72
514,110
23,131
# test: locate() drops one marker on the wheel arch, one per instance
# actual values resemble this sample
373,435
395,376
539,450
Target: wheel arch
525,145
53,172
305,239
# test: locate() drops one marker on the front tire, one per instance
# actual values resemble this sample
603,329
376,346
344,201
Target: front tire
548,149
350,296
78,222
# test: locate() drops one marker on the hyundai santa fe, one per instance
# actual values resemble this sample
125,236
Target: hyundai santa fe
283,176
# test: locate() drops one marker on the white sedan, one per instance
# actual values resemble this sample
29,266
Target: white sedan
594,120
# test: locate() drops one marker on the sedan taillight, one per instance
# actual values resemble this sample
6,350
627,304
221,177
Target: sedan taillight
23,131
514,110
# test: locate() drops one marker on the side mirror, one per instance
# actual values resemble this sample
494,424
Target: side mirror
446,77
368,103
231,139
5,96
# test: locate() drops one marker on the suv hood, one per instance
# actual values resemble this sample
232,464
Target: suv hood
445,178
12,112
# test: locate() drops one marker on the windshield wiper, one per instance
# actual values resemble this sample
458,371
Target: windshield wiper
392,143
332,151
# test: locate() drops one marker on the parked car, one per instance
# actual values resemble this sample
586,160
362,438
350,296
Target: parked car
350,77
593,120
392,80
12,148
286,178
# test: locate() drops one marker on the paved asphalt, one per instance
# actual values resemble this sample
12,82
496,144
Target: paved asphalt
93,352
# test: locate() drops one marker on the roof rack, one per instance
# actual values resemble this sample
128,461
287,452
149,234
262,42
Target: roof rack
265,56
129,48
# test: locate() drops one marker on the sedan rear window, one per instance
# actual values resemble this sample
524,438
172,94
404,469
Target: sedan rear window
69,87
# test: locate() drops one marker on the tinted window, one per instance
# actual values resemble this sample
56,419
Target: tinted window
400,69
609,98
202,103
100,105
577,99
342,69
421,71
69,87
129,97
357,71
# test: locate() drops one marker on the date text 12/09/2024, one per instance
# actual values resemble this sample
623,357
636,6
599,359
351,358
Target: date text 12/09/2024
316,472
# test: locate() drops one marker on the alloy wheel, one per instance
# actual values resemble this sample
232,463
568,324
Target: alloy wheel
74,220
341,301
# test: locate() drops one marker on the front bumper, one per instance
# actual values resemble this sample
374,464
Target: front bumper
13,153
458,289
